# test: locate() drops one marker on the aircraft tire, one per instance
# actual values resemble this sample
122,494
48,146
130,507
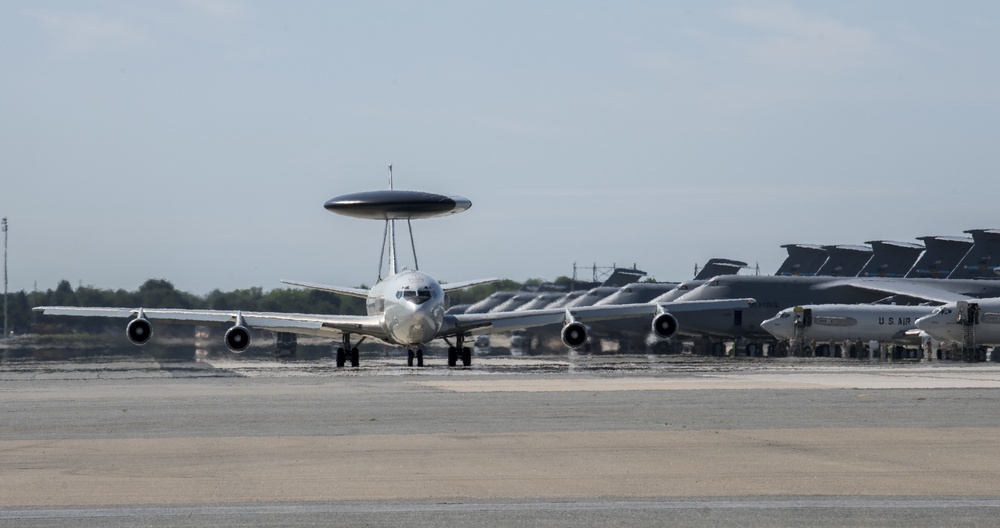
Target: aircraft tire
753,349
355,357
340,358
409,358
466,356
452,356
420,357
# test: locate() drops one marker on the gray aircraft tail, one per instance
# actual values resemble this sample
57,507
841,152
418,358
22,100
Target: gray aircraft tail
719,266
622,276
803,259
984,257
845,260
891,259
941,257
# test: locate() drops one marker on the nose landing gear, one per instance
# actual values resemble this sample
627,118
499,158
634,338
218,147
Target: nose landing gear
419,357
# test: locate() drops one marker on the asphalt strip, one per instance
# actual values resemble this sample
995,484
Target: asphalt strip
764,381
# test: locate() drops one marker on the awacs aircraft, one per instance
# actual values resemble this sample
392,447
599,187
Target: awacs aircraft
976,320
406,308
847,322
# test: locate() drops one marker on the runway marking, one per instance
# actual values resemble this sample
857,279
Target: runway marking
903,379
393,507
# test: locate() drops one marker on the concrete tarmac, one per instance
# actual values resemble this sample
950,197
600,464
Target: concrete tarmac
550,441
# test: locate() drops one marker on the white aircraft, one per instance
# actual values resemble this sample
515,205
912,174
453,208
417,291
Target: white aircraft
950,321
406,308
847,322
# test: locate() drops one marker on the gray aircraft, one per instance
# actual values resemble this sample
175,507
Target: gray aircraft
542,301
489,303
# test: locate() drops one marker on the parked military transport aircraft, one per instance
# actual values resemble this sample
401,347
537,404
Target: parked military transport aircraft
776,293
406,308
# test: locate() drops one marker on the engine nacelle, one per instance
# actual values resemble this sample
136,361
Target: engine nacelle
665,325
238,339
139,330
574,335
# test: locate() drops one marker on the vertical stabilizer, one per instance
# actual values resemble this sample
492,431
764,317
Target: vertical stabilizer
982,259
392,235
845,260
392,247
803,259
891,259
942,256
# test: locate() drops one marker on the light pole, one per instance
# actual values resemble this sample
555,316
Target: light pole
6,328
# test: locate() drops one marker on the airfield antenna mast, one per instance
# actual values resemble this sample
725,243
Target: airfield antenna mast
6,328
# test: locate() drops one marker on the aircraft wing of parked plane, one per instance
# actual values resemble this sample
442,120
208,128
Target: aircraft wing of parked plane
899,287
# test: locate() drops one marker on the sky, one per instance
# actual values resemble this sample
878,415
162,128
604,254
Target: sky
196,141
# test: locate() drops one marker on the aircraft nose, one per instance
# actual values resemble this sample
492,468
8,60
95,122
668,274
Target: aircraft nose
925,323
773,326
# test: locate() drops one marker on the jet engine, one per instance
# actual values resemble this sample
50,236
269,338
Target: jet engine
139,331
664,325
238,338
574,334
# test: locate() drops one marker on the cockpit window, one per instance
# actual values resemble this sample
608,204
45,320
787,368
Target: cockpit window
714,283
415,296
785,315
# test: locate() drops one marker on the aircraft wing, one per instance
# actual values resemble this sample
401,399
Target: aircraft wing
921,292
449,286
501,321
306,324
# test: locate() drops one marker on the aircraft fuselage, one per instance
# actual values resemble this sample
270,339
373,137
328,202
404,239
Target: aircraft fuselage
412,306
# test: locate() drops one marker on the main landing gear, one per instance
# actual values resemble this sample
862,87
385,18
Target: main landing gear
347,350
458,349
